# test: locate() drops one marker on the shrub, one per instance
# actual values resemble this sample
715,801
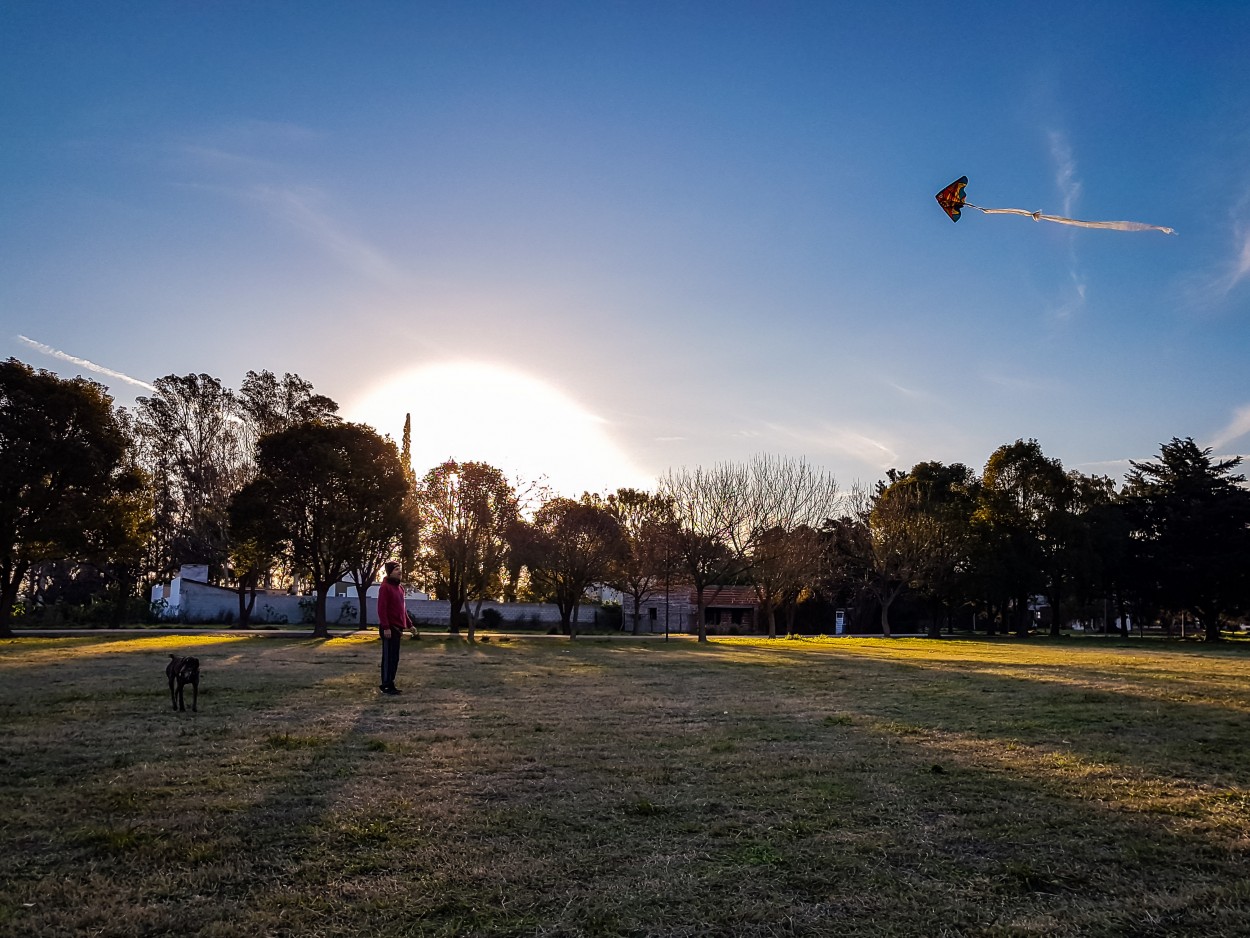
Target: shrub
271,616
609,616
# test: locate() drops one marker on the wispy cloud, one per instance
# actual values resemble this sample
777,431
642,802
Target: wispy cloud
1239,268
1210,289
1065,170
1076,301
83,363
251,161
1069,187
1213,285
301,209
1236,428
1022,383
912,393
218,160
238,147
844,441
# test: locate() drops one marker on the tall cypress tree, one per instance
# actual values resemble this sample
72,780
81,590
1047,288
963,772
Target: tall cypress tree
1191,518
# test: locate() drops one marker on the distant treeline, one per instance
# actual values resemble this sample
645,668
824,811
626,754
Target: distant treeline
268,487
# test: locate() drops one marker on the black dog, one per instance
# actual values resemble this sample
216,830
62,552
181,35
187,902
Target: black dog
181,672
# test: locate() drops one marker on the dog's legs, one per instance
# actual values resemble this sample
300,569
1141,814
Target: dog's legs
173,697
195,695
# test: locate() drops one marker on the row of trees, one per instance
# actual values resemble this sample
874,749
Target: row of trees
268,486
1172,542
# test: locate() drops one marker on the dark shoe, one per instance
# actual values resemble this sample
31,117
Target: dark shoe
390,691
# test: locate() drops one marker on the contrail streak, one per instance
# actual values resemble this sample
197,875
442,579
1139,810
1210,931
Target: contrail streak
84,363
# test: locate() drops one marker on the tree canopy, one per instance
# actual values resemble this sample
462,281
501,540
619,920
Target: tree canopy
467,513
333,493
66,486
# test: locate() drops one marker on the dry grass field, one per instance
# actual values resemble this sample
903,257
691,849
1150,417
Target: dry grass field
851,787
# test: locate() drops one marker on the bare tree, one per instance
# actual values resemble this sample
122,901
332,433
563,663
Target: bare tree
713,516
787,500
725,514
784,563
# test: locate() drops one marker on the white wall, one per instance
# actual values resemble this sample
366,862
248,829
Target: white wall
203,603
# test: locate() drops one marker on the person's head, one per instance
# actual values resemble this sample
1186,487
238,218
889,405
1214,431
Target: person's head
392,570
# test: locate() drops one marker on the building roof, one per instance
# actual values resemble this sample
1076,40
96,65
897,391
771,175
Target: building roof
722,596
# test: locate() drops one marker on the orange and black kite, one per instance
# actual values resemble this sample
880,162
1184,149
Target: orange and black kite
953,201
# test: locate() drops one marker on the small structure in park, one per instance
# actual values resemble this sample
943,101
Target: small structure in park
728,610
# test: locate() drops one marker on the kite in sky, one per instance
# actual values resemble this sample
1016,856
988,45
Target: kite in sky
953,201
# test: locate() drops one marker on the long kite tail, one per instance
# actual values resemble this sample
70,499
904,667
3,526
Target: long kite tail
1060,220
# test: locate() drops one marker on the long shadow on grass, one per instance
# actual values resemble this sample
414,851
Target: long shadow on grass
927,824
1143,725
1144,721
813,793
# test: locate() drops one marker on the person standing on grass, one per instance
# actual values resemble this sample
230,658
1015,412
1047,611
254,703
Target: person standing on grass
392,619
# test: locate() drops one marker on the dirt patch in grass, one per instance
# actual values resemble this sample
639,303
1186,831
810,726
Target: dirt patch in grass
850,787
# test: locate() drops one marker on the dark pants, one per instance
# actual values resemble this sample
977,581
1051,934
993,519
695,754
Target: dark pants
390,657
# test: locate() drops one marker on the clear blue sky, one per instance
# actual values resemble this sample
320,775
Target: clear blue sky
689,232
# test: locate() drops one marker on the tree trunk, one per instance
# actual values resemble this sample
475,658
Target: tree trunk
8,597
1022,616
1212,625
701,612
321,628
362,594
885,617
244,605
457,606
770,616
475,613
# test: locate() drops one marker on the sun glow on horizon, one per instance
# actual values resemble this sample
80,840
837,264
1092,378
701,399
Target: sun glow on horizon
519,424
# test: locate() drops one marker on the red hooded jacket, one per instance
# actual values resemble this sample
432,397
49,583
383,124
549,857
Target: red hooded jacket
392,611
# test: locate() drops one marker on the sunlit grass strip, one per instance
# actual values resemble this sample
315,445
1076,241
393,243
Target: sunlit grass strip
27,651
1115,786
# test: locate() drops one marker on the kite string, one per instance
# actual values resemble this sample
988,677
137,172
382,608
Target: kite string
1061,220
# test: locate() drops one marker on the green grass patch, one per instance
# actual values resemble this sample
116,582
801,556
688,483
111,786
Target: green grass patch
291,741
